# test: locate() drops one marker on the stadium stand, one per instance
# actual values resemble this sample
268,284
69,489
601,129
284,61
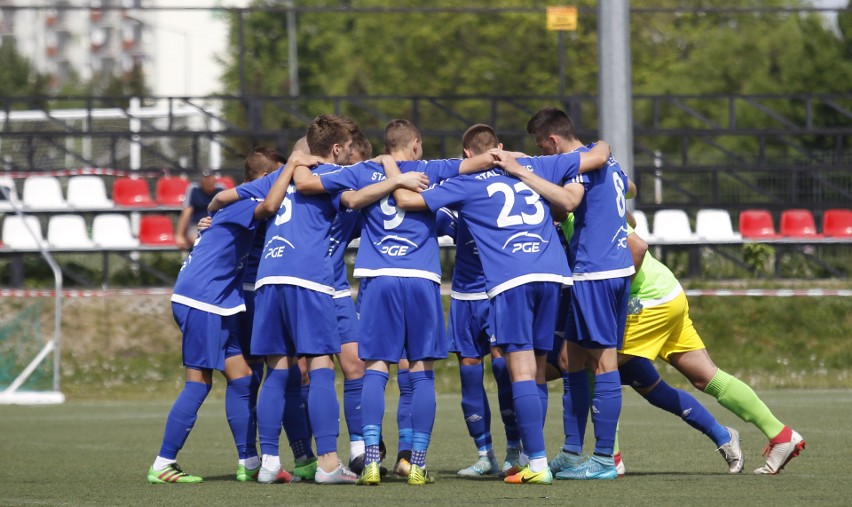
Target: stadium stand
43,193
672,226
129,191
642,225
171,190
798,223
68,232
226,181
8,193
88,192
757,224
156,230
837,223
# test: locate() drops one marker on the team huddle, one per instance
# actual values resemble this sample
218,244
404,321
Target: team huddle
549,280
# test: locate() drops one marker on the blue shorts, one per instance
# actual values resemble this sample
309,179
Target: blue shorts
469,330
401,317
294,321
524,317
347,319
564,316
208,339
246,323
600,312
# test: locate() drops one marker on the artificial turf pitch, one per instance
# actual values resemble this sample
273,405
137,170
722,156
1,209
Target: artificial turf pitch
87,453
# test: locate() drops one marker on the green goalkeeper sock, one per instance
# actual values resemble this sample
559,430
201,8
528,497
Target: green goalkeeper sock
738,397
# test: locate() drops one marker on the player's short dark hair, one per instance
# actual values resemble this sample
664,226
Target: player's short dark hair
400,133
327,130
479,138
361,145
262,160
549,121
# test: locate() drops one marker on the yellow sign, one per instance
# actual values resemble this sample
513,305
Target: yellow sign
562,18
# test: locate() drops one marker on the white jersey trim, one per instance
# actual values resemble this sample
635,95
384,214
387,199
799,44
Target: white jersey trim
648,303
345,293
529,278
605,275
402,273
292,280
468,296
207,307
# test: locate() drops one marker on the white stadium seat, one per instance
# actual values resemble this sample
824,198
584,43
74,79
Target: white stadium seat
642,225
715,225
43,192
112,230
68,231
88,192
17,232
672,225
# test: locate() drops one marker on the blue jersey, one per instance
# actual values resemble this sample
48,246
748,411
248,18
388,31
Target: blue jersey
253,260
345,228
599,244
394,242
211,276
510,222
297,237
468,276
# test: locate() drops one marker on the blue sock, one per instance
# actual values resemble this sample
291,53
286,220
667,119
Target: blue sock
256,379
324,410
528,413
606,409
182,417
295,423
372,410
241,418
575,409
270,408
474,404
352,407
542,396
685,406
403,411
423,408
504,399
305,393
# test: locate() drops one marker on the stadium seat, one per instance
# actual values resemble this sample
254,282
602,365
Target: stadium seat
17,236
88,192
156,230
715,225
132,192
68,231
171,190
112,230
8,193
798,223
642,225
672,225
837,223
226,182
757,224
43,192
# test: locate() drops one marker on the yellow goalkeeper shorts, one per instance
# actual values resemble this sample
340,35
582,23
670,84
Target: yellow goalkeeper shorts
661,330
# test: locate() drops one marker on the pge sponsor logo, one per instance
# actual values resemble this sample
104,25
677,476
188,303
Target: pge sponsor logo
525,242
390,246
276,250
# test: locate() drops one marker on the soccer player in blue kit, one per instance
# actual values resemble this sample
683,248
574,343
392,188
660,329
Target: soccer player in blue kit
602,267
401,312
294,295
206,303
525,269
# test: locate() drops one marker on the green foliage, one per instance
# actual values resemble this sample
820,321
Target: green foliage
18,78
760,257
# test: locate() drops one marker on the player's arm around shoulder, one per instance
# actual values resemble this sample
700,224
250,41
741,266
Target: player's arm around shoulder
409,182
304,180
477,163
406,187
269,206
561,198
595,158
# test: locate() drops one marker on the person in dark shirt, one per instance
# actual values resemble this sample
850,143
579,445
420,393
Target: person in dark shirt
198,196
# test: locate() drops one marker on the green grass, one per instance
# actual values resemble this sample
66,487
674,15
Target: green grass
97,453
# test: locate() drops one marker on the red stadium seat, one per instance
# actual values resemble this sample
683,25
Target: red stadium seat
156,230
837,223
132,192
798,223
226,181
757,224
171,190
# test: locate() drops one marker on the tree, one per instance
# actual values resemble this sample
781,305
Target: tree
19,78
